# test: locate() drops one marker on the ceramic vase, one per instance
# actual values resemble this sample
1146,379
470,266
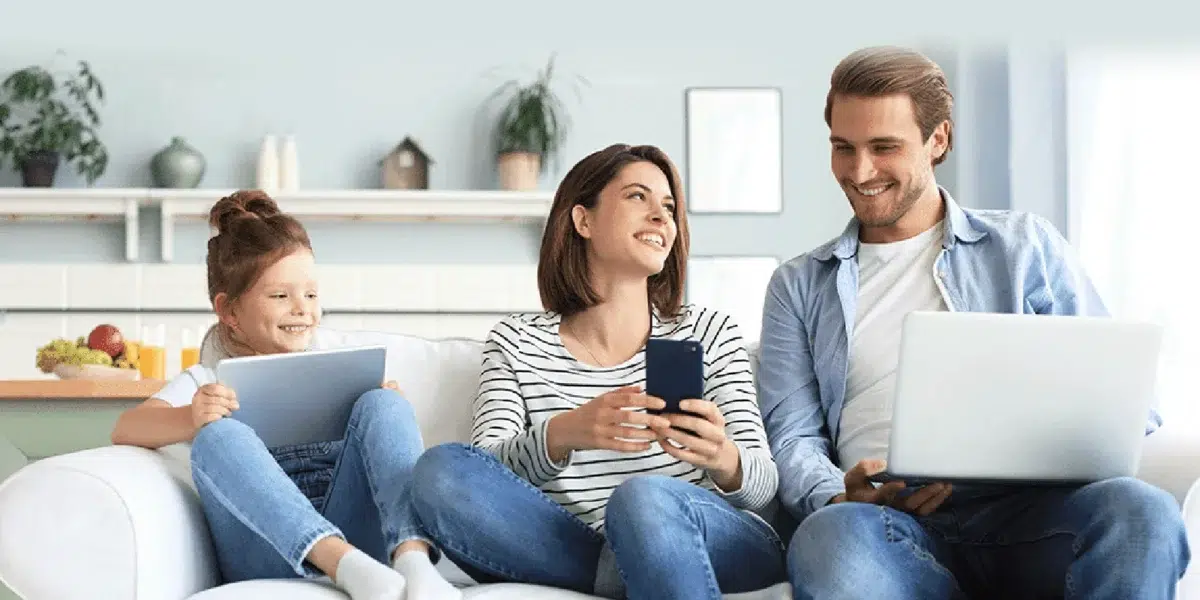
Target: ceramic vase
179,165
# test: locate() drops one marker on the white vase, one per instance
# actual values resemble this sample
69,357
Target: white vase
289,168
268,165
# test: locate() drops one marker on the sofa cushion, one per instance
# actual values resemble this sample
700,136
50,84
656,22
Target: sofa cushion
295,589
439,378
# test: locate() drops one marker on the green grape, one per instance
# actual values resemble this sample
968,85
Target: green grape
61,351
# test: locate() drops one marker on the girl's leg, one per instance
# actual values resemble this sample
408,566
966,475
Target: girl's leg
676,540
370,497
497,527
263,526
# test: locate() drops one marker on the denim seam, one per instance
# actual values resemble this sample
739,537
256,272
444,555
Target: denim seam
508,472
400,536
760,528
310,537
690,503
917,551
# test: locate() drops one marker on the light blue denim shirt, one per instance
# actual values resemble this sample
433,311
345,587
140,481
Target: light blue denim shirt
991,261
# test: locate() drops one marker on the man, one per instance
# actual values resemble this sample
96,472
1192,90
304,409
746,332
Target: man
829,346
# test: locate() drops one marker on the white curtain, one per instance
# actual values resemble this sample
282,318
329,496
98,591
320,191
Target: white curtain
1133,144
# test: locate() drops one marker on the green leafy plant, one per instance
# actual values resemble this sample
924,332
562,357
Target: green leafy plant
534,119
41,115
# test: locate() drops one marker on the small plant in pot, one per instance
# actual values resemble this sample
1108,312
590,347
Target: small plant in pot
532,128
46,120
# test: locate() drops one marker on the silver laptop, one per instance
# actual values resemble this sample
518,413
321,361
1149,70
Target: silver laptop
1001,398
302,397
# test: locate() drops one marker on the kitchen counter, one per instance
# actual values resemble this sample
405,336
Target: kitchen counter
40,418
78,389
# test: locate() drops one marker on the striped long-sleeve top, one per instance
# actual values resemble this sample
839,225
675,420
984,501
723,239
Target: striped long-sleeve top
528,376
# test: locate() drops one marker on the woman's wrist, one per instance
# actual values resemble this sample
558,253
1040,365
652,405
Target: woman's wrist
728,474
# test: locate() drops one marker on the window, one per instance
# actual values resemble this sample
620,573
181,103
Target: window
1133,199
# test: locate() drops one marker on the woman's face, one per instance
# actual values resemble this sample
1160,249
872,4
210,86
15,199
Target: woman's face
632,228
280,311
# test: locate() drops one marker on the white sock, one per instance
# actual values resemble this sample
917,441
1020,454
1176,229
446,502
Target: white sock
365,578
424,581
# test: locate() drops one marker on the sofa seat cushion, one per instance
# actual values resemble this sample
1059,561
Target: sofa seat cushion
295,589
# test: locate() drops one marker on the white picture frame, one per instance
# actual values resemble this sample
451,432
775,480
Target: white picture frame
734,150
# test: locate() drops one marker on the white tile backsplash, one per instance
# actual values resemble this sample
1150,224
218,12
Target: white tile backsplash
104,286
341,286
33,286
174,286
20,337
398,287
494,290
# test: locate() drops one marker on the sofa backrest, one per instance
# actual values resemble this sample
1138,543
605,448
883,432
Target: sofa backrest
439,377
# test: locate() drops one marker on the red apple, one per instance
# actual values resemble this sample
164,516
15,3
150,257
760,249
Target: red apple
107,339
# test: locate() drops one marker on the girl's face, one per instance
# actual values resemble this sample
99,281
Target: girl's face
280,311
632,228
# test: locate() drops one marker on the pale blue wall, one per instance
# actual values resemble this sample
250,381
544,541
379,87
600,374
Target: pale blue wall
351,84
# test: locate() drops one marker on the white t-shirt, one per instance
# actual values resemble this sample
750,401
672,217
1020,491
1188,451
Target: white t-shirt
894,279
180,389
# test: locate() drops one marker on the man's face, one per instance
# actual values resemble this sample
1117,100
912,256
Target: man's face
879,157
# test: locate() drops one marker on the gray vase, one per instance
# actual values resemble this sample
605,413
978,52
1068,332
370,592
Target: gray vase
177,166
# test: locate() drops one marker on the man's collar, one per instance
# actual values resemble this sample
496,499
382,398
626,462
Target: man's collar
958,228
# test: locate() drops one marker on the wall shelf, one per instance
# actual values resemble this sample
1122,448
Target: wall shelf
54,204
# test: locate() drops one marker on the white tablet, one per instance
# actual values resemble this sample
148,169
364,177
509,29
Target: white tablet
301,397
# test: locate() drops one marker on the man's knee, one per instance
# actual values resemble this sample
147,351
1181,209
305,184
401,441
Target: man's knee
1134,508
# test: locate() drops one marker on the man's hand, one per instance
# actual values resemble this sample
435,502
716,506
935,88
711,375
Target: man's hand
860,489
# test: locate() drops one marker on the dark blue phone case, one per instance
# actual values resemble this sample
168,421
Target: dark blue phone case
674,372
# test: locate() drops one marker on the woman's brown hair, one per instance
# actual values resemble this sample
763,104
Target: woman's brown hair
887,70
252,234
563,274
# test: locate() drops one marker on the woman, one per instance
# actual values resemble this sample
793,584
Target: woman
569,482
342,509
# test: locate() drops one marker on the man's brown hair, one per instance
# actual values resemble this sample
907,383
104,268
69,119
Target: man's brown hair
563,273
887,70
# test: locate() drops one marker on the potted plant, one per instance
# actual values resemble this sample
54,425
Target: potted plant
45,120
532,128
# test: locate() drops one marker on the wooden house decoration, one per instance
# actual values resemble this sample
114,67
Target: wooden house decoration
406,167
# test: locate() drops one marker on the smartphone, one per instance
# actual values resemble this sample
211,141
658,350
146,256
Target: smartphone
674,372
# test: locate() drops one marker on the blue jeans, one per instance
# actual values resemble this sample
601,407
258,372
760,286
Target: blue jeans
267,507
667,538
1120,538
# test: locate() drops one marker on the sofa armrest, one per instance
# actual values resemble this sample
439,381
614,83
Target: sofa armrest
111,522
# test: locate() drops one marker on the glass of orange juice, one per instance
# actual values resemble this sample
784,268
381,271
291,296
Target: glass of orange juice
189,348
152,352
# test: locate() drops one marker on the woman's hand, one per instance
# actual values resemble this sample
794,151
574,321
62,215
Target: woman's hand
605,423
703,442
212,402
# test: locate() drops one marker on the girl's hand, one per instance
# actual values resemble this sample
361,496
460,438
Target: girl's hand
703,442
392,385
211,402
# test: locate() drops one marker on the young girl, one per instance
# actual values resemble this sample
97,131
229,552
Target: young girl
569,481
342,508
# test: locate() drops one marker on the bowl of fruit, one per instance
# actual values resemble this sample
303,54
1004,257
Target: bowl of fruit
103,354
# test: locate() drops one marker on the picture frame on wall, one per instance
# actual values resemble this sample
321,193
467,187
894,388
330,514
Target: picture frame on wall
734,161
734,285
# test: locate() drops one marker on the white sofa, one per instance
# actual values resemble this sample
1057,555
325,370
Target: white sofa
124,523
